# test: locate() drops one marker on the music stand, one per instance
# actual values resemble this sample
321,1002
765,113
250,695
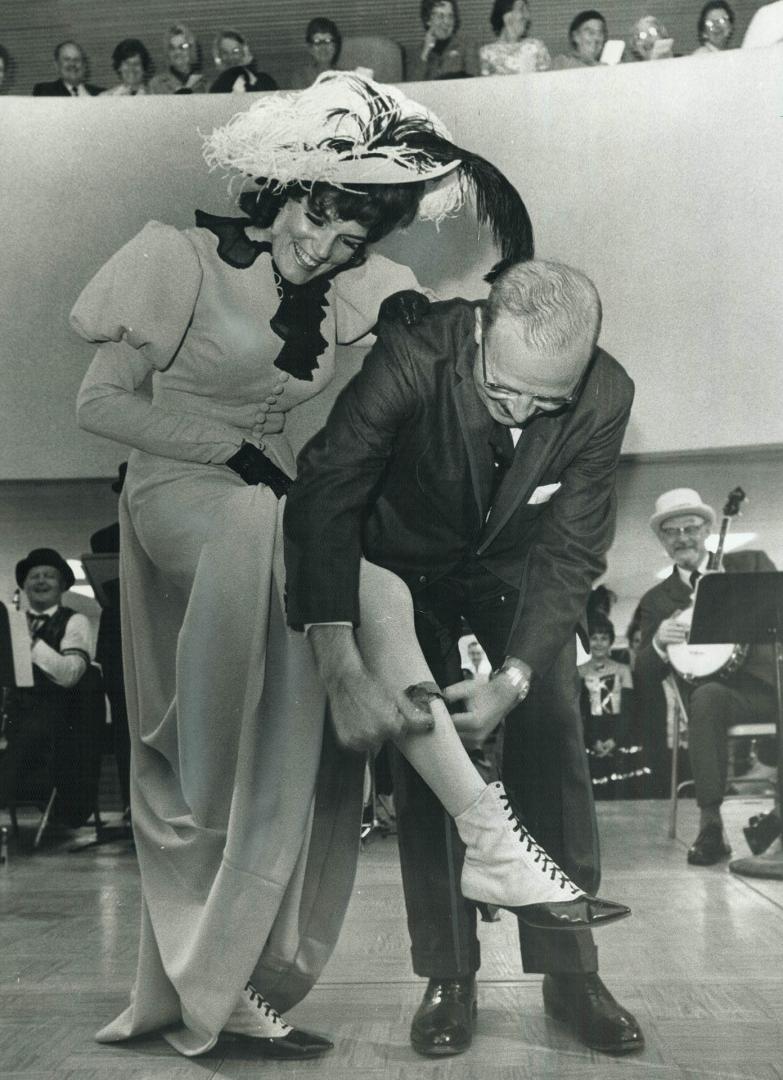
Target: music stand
747,608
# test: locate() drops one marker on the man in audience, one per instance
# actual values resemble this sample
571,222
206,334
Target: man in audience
324,41
682,522
71,66
45,741
474,455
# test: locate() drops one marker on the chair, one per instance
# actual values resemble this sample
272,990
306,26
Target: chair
736,731
382,55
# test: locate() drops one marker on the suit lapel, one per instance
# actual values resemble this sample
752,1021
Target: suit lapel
677,589
476,427
532,455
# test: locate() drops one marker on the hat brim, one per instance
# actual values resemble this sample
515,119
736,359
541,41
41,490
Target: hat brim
373,168
700,509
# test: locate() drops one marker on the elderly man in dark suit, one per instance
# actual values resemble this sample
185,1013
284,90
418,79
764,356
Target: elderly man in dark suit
683,522
71,66
474,456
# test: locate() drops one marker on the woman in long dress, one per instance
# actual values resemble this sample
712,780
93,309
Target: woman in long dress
245,812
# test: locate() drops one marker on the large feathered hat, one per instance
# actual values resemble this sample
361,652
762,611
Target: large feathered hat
347,130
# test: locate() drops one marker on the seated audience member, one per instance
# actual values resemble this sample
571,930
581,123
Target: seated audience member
443,53
239,75
682,522
5,65
633,636
133,65
48,733
184,74
513,52
715,27
71,65
614,762
587,34
477,665
323,41
650,40
766,26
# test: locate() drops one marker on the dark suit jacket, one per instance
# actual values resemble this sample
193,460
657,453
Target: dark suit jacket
670,594
58,89
402,473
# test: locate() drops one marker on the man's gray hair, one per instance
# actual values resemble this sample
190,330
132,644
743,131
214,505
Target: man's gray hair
556,305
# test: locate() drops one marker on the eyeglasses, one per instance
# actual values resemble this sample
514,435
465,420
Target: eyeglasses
322,41
690,531
184,47
545,404
718,21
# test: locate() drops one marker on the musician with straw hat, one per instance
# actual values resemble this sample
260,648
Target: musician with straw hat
682,521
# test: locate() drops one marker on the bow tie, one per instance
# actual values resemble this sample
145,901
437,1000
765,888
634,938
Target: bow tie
37,621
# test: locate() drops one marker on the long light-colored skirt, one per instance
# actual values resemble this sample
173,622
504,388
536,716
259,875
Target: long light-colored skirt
245,813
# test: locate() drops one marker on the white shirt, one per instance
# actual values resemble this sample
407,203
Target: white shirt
68,665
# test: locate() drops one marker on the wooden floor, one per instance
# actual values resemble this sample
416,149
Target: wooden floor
700,964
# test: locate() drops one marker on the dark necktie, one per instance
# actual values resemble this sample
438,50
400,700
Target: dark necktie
37,622
502,446
695,575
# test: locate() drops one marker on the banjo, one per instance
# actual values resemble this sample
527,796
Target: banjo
693,662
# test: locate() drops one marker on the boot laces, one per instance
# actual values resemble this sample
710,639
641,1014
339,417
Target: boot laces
262,1004
548,865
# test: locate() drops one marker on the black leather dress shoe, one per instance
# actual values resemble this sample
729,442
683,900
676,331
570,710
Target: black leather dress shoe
297,1044
709,847
761,830
583,1003
586,912
444,1021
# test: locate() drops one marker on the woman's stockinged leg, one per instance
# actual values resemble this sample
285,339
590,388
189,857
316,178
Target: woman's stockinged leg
387,640
503,863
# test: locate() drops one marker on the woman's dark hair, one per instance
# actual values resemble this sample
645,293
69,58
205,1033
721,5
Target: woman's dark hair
321,25
581,19
711,7
380,208
427,7
500,9
598,623
129,47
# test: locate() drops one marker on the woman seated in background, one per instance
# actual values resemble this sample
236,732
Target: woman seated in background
5,63
513,53
324,42
650,40
184,75
614,762
231,52
715,27
587,35
133,65
443,54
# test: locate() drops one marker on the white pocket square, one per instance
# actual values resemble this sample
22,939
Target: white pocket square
543,494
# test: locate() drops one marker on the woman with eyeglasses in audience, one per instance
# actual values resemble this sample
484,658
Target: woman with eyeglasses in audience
514,52
650,40
323,41
715,27
239,74
184,74
443,54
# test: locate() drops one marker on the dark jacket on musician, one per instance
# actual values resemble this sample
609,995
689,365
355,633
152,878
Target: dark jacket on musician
650,670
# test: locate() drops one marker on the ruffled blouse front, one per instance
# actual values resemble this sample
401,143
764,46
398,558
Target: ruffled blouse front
167,304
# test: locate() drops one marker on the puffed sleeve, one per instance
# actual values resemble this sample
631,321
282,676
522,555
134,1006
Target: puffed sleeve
138,308
359,293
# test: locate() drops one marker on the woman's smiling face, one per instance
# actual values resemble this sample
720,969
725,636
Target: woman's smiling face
308,242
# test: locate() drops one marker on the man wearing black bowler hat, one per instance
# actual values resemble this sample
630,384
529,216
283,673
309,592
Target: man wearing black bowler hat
474,456
61,652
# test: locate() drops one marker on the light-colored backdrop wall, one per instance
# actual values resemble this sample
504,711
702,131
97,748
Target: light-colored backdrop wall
661,181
